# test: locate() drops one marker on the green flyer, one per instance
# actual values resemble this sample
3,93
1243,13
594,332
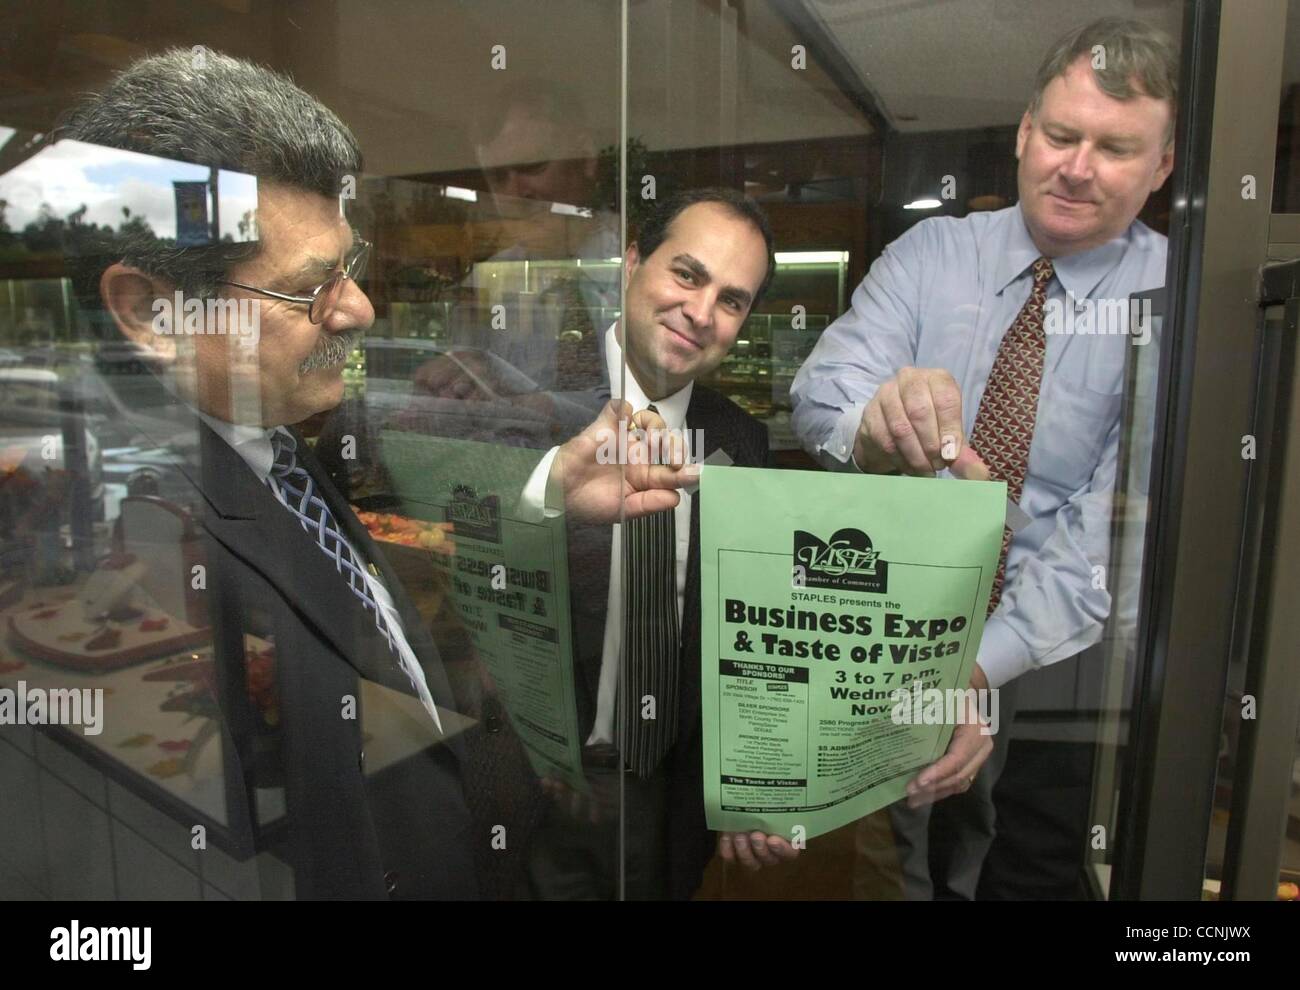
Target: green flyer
836,609
509,581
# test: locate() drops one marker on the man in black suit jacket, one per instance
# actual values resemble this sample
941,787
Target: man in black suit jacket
700,262
286,559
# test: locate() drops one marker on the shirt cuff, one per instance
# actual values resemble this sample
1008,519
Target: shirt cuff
1003,655
542,497
837,450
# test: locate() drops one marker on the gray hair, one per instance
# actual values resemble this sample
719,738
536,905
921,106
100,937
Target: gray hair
1133,52
203,107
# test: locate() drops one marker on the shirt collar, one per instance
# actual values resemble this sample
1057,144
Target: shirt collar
252,443
1079,274
672,408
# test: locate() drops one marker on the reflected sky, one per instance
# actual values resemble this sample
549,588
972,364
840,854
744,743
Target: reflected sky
70,174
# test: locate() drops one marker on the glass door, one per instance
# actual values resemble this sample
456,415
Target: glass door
1190,796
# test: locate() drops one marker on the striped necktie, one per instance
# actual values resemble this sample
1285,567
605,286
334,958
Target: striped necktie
1004,425
648,693
297,492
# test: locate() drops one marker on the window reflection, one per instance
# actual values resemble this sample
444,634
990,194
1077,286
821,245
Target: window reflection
137,558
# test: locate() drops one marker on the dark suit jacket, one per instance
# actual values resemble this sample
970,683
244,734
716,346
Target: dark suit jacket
403,832
690,844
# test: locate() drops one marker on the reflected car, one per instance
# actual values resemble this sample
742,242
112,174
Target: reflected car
32,429
119,357
506,407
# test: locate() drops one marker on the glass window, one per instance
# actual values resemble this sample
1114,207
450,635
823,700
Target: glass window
332,570
882,144
278,526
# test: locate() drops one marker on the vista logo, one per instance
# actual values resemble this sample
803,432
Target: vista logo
847,561
77,944
476,518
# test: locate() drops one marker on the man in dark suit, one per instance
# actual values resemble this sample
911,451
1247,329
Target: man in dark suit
286,559
701,260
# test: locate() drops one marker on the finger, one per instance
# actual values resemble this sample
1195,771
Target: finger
781,848
724,847
600,430
946,766
967,751
920,798
902,432
758,843
918,402
970,772
653,487
648,420
979,751
614,412
637,504
938,791
930,796
958,783
743,853
644,433
964,779
661,477
673,449
969,466
878,432
946,398
665,445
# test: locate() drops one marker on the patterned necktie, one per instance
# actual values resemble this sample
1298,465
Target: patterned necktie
296,491
1004,425
650,640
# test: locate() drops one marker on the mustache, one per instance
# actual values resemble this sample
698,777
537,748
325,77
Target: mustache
331,349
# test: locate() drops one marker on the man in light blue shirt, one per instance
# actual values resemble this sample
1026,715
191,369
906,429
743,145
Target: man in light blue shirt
895,384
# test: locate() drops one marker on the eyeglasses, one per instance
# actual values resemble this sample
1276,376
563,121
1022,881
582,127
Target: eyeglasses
325,297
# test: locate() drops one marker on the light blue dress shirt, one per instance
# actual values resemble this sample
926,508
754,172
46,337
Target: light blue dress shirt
942,296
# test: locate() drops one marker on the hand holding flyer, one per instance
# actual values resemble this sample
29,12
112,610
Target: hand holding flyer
848,616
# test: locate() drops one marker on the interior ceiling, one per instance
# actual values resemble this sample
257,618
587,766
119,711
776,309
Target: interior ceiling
915,56
410,75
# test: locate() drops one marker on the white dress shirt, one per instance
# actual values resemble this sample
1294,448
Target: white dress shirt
673,411
535,502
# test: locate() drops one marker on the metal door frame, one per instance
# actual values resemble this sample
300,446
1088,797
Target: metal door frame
1227,131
